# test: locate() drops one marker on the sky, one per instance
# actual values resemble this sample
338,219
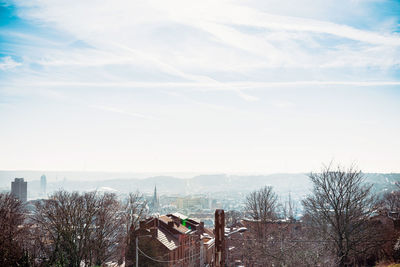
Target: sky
259,86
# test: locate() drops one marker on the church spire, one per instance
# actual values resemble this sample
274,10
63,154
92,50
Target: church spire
156,204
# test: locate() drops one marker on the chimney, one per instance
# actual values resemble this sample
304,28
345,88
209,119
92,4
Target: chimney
142,224
219,228
153,232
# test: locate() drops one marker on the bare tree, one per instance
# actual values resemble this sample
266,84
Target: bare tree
67,221
287,244
391,201
108,231
12,231
135,209
390,204
79,228
261,204
339,209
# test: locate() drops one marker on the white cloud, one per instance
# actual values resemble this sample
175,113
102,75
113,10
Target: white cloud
283,104
203,81
230,86
7,63
246,96
121,111
167,30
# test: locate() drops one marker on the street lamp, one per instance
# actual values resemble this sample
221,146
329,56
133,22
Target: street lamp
240,230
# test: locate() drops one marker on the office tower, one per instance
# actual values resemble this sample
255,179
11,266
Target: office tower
19,189
43,183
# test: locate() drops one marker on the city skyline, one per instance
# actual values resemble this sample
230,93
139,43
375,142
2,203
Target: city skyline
210,87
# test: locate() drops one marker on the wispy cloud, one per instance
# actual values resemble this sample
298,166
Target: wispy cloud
7,63
209,80
167,31
234,86
121,111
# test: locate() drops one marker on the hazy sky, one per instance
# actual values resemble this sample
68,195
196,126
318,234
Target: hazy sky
200,86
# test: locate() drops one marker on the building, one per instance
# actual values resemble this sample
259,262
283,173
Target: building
386,225
192,203
43,184
155,203
173,240
19,189
208,241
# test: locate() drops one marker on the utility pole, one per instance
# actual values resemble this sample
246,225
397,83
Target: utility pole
137,251
137,247
219,238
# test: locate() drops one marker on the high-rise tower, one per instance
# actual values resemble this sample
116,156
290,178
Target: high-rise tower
19,189
43,184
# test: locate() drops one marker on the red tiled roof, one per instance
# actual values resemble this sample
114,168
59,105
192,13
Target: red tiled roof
179,227
209,231
167,239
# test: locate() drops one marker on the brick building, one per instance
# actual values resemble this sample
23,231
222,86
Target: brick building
173,240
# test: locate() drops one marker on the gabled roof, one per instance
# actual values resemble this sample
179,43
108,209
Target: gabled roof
168,240
177,226
180,216
209,231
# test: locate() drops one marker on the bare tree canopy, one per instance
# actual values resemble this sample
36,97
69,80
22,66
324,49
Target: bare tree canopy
12,230
261,204
232,217
134,211
391,201
339,209
79,228
109,231
269,241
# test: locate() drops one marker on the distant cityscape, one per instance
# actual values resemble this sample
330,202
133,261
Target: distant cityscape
210,229
195,197
200,133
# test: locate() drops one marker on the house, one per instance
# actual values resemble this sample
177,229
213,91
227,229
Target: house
173,240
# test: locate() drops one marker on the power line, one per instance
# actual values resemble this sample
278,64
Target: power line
164,261
297,240
187,244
